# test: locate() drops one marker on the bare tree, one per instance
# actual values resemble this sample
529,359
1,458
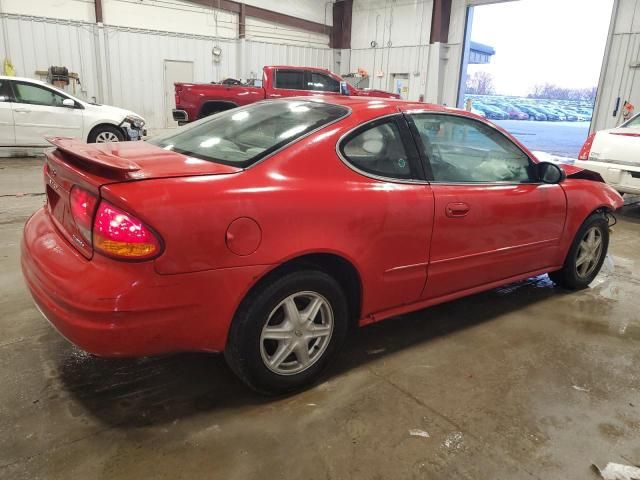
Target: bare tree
480,83
554,92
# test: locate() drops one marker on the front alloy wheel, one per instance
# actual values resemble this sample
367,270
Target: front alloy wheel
586,255
589,252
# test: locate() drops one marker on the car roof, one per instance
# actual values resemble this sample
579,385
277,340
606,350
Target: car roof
360,104
24,79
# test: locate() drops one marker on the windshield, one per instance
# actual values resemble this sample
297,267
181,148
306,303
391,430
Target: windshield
242,136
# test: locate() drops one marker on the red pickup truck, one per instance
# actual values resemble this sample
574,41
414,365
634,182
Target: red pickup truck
198,100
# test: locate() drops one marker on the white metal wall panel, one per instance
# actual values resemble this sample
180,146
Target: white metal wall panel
258,54
620,76
33,43
136,67
387,61
125,67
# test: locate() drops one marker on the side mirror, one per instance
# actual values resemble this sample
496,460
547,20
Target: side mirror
344,89
550,173
67,102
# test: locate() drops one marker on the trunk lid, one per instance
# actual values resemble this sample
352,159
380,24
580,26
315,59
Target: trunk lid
618,146
90,166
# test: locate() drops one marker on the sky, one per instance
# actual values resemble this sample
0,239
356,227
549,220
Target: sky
543,41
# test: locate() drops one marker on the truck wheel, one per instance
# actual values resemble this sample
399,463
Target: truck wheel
286,332
586,255
105,133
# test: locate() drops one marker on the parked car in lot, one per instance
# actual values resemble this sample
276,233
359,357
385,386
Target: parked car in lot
199,100
30,109
266,231
548,113
515,113
533,113
494,113
615,154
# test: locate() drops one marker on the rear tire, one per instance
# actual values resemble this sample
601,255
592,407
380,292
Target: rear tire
105,133
276,343
586,255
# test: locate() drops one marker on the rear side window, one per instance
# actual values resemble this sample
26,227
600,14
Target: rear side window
242,136
290,79
323,83
378,149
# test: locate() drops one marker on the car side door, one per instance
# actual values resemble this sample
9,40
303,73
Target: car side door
7,133
39,111
493,217
389,183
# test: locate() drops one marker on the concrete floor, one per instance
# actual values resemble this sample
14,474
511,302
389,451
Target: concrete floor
525,381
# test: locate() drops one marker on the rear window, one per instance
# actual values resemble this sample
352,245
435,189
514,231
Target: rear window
242,136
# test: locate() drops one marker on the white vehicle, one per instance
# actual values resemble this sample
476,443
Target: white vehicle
615,155
30,109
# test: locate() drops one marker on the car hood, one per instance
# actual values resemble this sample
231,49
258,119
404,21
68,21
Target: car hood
116,114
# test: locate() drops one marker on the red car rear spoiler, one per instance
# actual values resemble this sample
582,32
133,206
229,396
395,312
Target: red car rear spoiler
100,154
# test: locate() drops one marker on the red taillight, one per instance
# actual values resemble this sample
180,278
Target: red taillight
586,148
83,205
119,234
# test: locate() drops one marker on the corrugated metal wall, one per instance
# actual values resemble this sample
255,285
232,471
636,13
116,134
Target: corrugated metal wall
258,54
34,43
409,60
620,77
125,67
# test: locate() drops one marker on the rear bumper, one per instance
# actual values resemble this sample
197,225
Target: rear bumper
112,308
623,178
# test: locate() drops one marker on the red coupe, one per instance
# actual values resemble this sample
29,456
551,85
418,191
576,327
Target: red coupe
265,231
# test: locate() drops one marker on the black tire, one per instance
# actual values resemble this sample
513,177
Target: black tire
568,276
243,350
95,134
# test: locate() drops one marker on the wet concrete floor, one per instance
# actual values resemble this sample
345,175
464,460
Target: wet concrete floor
525,381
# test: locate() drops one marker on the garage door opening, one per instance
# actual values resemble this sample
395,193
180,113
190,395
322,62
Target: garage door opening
532,67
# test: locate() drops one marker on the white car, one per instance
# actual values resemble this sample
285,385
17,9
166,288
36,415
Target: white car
615,155
30,109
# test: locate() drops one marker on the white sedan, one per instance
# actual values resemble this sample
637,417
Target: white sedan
30,109
615,154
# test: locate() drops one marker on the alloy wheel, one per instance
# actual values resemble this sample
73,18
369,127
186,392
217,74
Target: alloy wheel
103,137
296,333
589,252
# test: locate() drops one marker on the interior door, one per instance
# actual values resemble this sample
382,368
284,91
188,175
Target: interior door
174,71
38,111
7,133
400,85
493,219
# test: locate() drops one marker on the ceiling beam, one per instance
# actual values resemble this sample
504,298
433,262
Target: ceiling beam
98,7
440,20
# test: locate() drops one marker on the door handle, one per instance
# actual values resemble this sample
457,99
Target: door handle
457,209
21,110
